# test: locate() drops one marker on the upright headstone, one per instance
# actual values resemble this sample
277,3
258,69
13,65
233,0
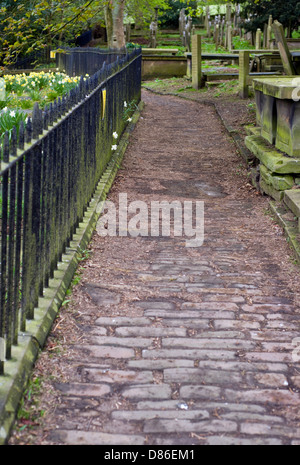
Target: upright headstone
269,37
229,32
222,32
258,39
217,37
236,19
207,18
153,34
265,36
196,61
228,35
181,22
269,32
128,32
270,22
228,13
188,33
244,70
209,29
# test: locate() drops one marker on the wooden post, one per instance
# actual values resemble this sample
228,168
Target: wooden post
244,73
196,61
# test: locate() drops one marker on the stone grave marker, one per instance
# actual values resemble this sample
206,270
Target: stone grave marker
285,54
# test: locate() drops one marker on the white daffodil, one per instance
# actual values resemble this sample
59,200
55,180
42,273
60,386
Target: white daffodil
115,135
12,114
125,104
114,147
129,119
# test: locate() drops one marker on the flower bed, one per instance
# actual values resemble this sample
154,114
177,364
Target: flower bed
23,91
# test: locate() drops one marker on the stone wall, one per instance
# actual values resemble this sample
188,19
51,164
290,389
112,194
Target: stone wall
163,66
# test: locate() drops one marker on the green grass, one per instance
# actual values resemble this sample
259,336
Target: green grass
228,87
30,413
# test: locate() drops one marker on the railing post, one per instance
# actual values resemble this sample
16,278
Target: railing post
47,185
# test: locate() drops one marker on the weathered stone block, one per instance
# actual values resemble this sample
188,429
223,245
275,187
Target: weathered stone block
278,112
292,200
266,115
279,182
269,190
196,61
275,161
288,127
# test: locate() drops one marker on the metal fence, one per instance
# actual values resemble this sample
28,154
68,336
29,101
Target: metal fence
76,62
48,173
31,61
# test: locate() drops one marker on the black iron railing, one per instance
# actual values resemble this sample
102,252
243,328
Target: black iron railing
79,61
48,175
30,61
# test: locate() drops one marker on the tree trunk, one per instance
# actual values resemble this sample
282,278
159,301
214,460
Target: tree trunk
114,18
118,20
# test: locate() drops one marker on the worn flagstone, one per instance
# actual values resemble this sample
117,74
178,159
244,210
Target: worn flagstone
182,345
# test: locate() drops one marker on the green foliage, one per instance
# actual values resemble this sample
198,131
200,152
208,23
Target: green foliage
129,109
10,119
30,413
286,12
22,91
28,26
170,18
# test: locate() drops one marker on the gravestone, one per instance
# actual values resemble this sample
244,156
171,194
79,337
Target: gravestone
258,39
188,33
182,20
229,38
222,32
265,36
217,36
244,70
228,13
196,61
207,18
285,54
153,34
128,32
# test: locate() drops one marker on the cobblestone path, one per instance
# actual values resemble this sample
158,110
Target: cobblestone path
178,345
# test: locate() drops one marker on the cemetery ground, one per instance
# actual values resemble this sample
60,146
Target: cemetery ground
160,344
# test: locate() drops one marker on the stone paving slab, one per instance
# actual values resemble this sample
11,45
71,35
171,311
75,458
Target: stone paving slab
184,346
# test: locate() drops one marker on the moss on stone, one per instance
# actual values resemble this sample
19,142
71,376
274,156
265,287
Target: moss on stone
269,190
279,182
274,160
